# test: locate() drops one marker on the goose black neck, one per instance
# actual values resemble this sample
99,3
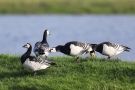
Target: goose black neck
44,37
59,48
63,49
26,54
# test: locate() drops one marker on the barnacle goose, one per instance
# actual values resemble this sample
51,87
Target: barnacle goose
33,62
41,48
110,49
74,48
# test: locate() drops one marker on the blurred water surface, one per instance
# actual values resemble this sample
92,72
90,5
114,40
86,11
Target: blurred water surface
16,30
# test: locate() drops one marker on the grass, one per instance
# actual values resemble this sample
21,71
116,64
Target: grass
67,6
91,74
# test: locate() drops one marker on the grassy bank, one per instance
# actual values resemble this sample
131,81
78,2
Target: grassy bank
67,6
90,74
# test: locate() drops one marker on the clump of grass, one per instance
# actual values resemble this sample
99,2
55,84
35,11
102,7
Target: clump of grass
92,73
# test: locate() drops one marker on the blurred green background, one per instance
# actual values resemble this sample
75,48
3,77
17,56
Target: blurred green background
67,6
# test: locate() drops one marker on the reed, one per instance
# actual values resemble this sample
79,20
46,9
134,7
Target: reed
67,6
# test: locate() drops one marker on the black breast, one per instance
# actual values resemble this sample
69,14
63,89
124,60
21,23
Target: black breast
66,48
99,48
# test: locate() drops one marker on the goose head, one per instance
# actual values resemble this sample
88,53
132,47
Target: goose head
56,49
47,32
27,45
52,50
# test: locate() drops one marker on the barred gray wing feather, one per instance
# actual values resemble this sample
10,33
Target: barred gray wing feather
114,45
126,48
39,60
41,48
45,47
85,46
37,63
118,46
37,46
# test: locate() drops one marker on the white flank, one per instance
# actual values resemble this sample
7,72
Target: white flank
44,66
118,52
76,50
46,53
34,65
108,50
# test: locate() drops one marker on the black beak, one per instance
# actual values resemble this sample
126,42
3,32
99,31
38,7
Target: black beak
50,50
24,45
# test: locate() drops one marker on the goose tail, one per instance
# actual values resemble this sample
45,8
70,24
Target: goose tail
127,49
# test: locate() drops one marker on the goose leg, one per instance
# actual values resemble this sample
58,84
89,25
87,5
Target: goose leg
35,73
78,59
109,57
46,57
36,55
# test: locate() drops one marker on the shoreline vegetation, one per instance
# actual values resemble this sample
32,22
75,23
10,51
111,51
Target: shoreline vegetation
67,6
91,73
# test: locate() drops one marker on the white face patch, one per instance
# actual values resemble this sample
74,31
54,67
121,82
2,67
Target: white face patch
27,45
90,49
53,50
48,33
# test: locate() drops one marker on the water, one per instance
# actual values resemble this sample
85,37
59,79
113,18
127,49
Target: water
16,30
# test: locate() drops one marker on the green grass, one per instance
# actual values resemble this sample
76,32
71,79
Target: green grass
90,74
67,6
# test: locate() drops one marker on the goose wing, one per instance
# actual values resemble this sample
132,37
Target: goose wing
45,47
37,46
118,47
85,46
111,44
40,61
41,48
35,63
